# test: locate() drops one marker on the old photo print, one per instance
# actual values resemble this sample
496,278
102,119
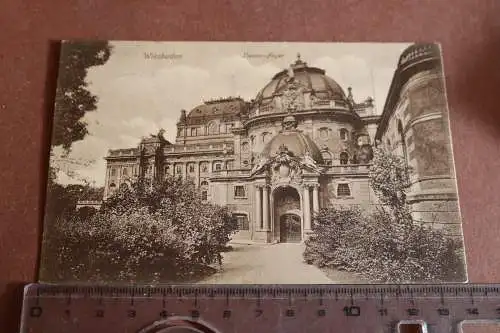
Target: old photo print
251,163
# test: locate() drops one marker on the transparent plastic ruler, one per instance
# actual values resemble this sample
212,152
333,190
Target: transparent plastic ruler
251,308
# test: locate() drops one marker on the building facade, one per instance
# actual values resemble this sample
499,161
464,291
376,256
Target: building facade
303,143
415,124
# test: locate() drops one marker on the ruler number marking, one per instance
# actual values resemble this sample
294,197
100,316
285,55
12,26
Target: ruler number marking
36,311
443,311
352,311
412,311
472,311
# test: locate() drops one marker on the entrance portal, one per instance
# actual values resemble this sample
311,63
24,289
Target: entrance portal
290,229
287,215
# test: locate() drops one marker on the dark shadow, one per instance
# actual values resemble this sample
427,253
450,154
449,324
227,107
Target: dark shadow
49,93
10,306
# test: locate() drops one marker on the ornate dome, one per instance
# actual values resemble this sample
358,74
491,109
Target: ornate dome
296,142
312,78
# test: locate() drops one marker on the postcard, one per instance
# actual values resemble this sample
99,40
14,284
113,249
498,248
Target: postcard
251,163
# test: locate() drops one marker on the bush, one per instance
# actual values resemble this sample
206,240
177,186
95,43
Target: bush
385,245
159,233
382,249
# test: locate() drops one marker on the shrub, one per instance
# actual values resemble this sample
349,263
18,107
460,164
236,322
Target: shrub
387,244
382,250
158,233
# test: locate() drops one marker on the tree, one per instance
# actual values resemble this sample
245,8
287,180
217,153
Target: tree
390,180
73,99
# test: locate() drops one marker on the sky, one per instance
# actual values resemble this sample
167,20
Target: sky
144,85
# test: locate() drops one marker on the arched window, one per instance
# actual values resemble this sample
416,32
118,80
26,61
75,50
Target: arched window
403,141
344,134
327,157
204,167
265,137
245,147
343,190
204,183
344,158
112,186
191,168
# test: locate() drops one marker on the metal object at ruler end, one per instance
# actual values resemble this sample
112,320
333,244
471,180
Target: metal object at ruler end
221,309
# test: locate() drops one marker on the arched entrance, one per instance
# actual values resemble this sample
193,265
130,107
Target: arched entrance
290,228
287,215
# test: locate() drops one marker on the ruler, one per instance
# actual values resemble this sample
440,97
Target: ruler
257,308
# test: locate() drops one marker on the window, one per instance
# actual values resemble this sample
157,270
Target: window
204,195
204,183
344,135
242,221
265,137
343,190
344,158
178,169
244,147
204,167
239,191
113,172
218,166
323,133
125,171
167,169
213,128
112,186
327,157
193,131
191,168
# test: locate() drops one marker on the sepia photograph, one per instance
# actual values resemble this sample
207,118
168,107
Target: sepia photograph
251,163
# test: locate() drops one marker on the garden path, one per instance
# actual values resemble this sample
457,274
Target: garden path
269,264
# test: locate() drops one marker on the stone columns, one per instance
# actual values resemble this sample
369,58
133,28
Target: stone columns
258,208
315,198
307,209
265,207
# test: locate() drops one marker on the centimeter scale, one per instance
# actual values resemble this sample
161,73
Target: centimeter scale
252,308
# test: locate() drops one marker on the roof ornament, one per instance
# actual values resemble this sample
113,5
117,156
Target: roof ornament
290,73
349,95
